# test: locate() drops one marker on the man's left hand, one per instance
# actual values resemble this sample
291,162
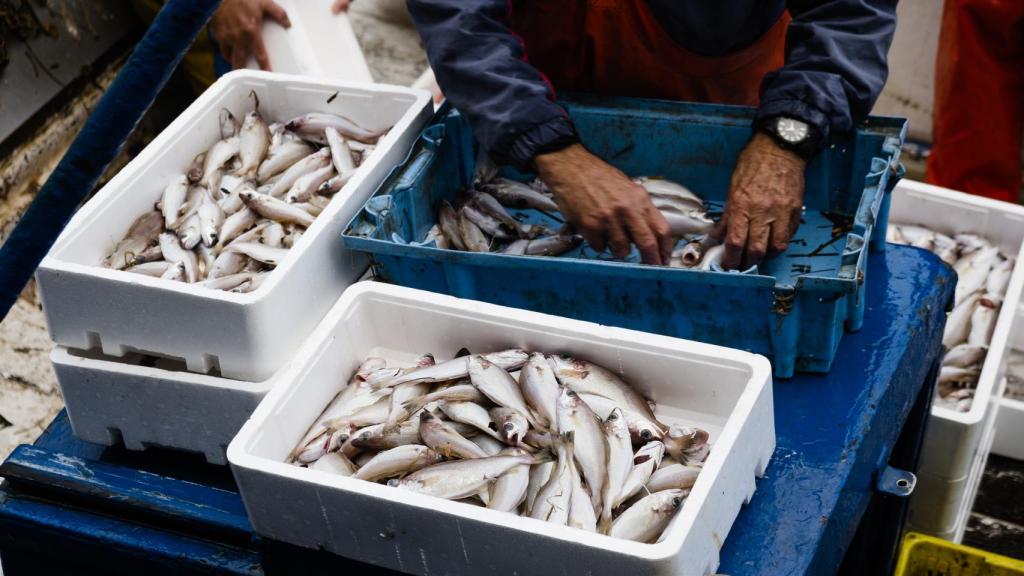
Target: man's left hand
764,206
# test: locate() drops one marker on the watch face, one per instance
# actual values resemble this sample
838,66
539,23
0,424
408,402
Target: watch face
790,130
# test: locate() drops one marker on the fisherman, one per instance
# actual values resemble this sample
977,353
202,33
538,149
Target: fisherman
813,68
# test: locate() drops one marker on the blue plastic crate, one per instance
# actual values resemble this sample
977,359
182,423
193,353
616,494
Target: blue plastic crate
793,310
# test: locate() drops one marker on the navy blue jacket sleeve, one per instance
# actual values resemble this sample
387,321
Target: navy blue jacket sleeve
481,66
835,63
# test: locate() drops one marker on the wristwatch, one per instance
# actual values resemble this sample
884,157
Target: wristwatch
794,135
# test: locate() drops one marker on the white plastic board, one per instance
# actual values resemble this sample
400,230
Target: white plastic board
247,336
318,43
725,391
953,444
114,400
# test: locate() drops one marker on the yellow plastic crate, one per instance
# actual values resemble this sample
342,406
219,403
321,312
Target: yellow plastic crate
927,556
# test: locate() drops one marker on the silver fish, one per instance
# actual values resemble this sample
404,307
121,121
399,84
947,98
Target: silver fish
496,383
397,411
489,445
173,199
518,195
538,439
155,269
306,186
693,252
554,500
341,154
712,255
311,126
462,478
457,393
142,234
284,181
509,491
517,247
397,461
540,389
553,245
682,442
954,375
151,254
173,252
510,425
973,272
335,463
691,223
660,187
254,141
999,278
589,446
335,183
983,321
190,231
227,282
457,368
270,207
585,377
489,205
213,164
176,273
227,264
354,396
472,237
965,355
469,413
211,218
449,222
946,248
376,438
235,224
645,462
228,124
648,518
445,440
273,235
620,461
673,476
539,476
488,224
195,171
282,158
958,324
581,503
259,252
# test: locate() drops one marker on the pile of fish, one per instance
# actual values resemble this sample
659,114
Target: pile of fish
554,438
231,218
1015,376
492,219
983,275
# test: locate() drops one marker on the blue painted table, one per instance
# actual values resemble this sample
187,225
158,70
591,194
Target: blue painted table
71,507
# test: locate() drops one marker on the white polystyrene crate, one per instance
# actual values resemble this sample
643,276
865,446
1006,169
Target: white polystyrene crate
114,400
245,336
953,439
725,391
318,43
1009,440
941,507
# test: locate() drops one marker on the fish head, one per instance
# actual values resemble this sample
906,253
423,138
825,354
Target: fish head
425,360
672,500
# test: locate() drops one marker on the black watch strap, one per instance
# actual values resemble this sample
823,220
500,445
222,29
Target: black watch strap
807,148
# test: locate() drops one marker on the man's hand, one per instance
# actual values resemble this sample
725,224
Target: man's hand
604,205
237,27
764,205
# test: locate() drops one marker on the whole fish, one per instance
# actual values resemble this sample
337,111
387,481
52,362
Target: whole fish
306,186
487,224
462,478
376,438
235,224
489,205
155,269
228,124
510,425
211,218
286,179
273,235
226,264
518,195
341,154
539,476
690,223
335,463
457,393
509,490
589,446
970,243
228,282
496,383
151,254
230,202
965,355
282,158
449,222
355,395
142,234
648,518
517,247
472,237
397,461
646,460
259,252
973,272
176,273
554,500
190,232
489,445
335,183
457,368
553,245
540,389
469,413
375,413
946,248
620,461
270,207
983,321
195,171
999,278
253,143
660,187
538,439
581,502
641,429
445,440
952,374
173,199
311,126
958,324
397,411
173,252
213,164
693,252
712,255
589,378
673,477
682,442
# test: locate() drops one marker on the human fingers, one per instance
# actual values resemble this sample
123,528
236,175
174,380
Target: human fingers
618,240
640,228
259,50
757,242
275,12
735,240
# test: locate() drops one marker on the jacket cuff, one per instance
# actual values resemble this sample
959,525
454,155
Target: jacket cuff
796,109
549,136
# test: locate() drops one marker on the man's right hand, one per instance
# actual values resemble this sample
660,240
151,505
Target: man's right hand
604,205
237,27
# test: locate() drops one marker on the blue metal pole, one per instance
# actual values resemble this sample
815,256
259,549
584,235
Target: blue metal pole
119,110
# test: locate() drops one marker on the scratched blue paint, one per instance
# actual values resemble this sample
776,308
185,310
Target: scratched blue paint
794,310
834,433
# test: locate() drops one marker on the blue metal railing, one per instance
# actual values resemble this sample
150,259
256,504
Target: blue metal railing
115,117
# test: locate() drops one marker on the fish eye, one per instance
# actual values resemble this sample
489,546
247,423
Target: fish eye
677,501
509,427
613,416
646,434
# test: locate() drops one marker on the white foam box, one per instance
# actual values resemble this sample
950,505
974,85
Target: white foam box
244,336
941,507
727,392
953,442
318,43
150,402
1009,441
